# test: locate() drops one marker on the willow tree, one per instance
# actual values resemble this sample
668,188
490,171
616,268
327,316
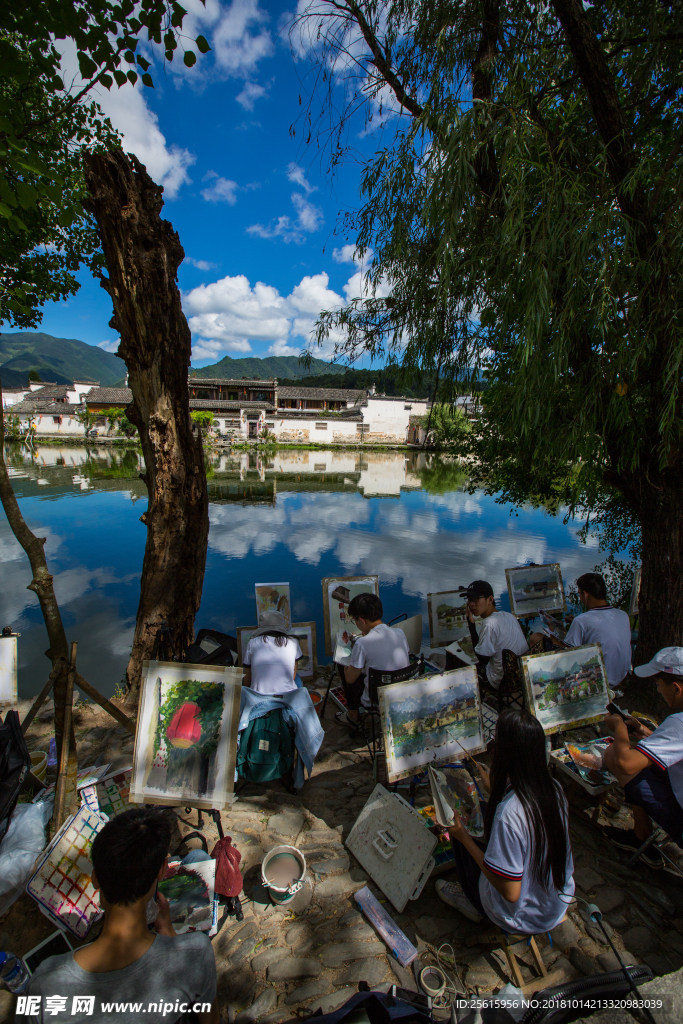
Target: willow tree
526,214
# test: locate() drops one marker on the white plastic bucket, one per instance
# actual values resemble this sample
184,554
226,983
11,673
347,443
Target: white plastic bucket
279,893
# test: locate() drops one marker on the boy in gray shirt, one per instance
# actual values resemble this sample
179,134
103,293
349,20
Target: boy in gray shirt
129,971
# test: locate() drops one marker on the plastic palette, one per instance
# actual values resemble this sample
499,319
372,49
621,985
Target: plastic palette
61,884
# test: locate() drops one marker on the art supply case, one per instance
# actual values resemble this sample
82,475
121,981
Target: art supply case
390,841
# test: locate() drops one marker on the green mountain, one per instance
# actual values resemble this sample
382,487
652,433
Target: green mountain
282,367
61,360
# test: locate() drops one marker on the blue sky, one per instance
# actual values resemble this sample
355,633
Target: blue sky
255,207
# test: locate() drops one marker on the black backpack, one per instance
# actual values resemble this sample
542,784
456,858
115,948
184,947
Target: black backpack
15,764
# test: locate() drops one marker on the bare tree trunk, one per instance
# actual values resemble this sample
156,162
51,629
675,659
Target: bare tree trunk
143,253
41,584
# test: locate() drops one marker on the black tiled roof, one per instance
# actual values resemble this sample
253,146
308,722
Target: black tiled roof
109,396
331,394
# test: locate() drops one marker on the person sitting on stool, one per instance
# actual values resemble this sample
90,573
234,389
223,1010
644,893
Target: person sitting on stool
498,631
522,879
271,656
600,624
380,647
652,772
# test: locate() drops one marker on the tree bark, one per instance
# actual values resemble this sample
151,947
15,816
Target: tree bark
143,253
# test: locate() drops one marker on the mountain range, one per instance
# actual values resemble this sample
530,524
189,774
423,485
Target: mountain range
282,367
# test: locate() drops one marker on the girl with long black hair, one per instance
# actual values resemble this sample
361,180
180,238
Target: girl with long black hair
271,656
522,880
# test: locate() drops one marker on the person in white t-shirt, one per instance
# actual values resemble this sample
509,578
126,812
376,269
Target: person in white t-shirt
521,879
498,632
651,772
600,624
379,647
271,656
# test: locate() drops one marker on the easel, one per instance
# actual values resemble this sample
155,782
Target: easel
65,789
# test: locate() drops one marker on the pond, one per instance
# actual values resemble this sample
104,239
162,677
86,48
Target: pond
295,515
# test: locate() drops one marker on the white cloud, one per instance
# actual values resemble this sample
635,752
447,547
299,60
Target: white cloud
240,39
223,190
310,218
296,174
251,92
200,264
281,348
109,346
347,254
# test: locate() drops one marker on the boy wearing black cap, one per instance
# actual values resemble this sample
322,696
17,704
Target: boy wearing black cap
498,632
651,772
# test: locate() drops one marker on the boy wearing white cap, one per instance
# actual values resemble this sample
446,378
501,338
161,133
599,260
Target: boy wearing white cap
651,772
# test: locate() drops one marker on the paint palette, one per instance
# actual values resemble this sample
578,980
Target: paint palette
110,795
61,884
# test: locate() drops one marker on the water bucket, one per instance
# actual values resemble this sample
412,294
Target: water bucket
39,764
279,892
317,698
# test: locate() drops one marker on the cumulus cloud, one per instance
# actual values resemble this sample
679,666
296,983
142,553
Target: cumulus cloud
228,314
251,92
109,346
222,190
347,254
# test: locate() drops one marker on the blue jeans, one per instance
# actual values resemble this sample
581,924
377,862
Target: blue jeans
651,790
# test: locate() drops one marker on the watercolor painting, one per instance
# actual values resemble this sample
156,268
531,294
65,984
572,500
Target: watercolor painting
635,593
536,588
186,739
338,592
8,671
62,882
305,632
273,597
430,720
567,689
189,890
447,612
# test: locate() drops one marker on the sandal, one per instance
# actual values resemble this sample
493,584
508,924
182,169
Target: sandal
343,719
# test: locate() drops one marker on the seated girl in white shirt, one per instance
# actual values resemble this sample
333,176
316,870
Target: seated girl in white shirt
271,656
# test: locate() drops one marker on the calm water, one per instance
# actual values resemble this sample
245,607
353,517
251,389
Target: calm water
297,516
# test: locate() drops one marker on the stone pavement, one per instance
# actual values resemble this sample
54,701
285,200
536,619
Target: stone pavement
287,961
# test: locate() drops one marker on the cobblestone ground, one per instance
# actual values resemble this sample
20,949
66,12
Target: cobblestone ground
287,961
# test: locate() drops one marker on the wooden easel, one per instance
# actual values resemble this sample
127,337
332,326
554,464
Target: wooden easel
65,790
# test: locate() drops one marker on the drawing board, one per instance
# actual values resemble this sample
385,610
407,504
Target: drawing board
189,889
62,883
8,671
567,689
305,632
186,738
273,597
535,588
635,593
430,720
338,592
447,612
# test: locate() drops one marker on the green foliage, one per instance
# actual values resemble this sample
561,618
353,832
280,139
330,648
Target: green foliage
443,474
33,375
203,418
126,427
446,425
88,419
114,416
11,424
208,697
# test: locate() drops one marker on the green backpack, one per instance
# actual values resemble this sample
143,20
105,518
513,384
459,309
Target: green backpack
266,748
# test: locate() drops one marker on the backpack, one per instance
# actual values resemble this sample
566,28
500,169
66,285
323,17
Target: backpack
266,748
15,764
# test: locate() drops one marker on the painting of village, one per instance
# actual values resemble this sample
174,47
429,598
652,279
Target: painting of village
447,617
566,689
273,597
535,589
430,720
338,592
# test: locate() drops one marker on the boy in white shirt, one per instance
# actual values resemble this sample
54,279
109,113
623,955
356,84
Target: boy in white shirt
651,772
498,632
380,647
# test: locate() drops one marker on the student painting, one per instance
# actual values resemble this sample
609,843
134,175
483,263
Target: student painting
522,880
651,772
379,647
129,964
271,656
498,631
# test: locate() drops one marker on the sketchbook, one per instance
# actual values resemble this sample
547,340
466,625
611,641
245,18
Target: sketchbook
453,789
189,889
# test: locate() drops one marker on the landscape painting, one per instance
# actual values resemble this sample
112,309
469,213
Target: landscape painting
273,597
8,671
567,689
447,617
536,588
306,635
430,720
338,592
186,739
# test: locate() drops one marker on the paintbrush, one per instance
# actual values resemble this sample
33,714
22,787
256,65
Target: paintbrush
470,758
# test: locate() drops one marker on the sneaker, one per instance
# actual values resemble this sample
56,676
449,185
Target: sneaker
452,894
626,839
343,719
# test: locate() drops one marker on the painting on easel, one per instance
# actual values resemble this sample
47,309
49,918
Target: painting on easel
430,720
535,588
567,689
338,592
273,597
186,739
8,671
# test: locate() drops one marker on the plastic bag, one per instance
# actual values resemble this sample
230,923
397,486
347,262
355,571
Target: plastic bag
24,840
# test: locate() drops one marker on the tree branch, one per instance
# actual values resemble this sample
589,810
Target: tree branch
382,65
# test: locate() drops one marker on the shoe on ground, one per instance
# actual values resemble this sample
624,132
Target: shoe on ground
452,894
343,719
626,839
